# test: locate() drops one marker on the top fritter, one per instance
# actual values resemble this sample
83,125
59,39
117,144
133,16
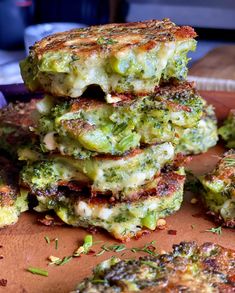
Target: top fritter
125,58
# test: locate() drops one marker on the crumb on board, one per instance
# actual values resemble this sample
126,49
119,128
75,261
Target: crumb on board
194,200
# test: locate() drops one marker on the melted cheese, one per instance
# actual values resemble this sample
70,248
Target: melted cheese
133,71
124,173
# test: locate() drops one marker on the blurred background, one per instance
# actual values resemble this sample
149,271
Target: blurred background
214,21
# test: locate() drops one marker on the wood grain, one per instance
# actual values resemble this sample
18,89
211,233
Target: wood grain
24,244
218,63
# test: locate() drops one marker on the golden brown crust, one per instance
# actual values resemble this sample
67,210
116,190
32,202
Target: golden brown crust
113,38
163,185
126,156
166,90
167,186
175,87
225,169
84,103
76,126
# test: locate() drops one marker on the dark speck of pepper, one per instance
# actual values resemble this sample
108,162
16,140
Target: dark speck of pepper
3,282
172,232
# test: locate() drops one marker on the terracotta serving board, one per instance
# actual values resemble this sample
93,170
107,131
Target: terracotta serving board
23,244
207,66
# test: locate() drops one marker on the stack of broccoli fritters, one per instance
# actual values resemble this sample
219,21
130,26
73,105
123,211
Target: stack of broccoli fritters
107,160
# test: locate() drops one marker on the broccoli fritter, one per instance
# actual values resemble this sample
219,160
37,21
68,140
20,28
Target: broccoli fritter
15,122
122,219
227,131
219,190
120,58
13,200
200,138
189,268
84,127
119,177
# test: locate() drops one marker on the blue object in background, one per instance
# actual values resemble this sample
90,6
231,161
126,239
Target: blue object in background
82,11
3,102
15,16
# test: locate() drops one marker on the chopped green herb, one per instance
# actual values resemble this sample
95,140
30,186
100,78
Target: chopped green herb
148,248
88,242
65,260
106,41
54,260
229,161
58,261
119,248
38,271
100,253
113,248
150,264
105,248
47,239
124,232
56,243
217,230
116,248
98,281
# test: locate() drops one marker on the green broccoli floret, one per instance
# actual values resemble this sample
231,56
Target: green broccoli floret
41,175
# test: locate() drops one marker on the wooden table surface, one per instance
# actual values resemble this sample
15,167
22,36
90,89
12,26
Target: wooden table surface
218,63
